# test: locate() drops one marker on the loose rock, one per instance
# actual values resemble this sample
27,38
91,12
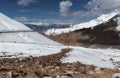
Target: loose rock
116,75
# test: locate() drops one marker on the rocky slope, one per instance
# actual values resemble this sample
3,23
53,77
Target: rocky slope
102,34
48,67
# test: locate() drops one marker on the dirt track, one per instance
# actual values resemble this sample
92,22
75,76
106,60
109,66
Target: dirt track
50,67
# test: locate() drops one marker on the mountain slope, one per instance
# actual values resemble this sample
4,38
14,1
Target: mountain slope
17,39
13,31
21,43
101,19
7,24
106,33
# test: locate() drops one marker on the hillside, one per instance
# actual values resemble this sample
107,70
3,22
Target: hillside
102,35
16,39
25,53
92,23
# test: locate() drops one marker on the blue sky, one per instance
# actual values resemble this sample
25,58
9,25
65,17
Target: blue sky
57,11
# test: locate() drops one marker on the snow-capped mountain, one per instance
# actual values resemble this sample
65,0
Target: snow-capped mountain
43,27
17,39
46,24
14,31
37,23
102,31
15,42
7,24
101,19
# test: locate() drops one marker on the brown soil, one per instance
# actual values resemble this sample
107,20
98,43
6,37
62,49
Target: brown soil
103,35
50,67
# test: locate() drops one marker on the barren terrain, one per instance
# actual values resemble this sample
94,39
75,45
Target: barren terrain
50,67
104,35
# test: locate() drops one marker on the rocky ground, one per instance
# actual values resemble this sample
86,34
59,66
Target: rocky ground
51,67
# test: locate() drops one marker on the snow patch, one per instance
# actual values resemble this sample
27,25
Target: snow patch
24,49
96,57
118,22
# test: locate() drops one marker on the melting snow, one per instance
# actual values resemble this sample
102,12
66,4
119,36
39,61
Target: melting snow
97,57
26,49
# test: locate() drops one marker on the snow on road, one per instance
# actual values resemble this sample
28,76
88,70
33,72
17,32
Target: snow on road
24,49
96,57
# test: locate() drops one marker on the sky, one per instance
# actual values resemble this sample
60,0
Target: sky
57,11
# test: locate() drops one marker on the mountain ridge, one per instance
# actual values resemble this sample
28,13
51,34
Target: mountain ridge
105,34
99,20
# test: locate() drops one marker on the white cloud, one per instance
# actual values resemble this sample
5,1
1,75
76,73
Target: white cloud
25,2
65,7
25,19
24,10
85,14
96,8
104,5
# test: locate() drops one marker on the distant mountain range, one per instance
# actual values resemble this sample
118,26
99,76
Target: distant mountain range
43,27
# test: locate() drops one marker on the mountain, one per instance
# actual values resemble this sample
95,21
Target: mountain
101,19
7,24
101,37
18,32
17,39
96,32
43,27
37,23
